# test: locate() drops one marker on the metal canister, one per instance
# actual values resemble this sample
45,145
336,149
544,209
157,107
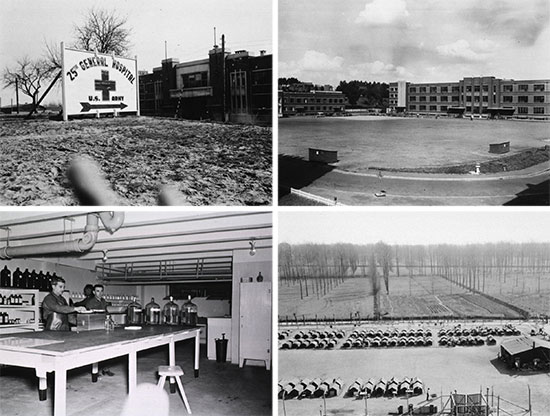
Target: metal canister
189,313
171,313
134,313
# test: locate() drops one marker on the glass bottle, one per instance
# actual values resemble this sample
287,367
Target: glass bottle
109,323
152,313
171,313
5,277
24,281
134,313
33,279
189,313
16,278
39,282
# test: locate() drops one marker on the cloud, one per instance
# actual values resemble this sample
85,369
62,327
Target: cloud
383,12
313,66
460,49
318,61
377,70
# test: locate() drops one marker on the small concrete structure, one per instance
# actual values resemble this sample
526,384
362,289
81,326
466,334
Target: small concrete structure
324,156
499,148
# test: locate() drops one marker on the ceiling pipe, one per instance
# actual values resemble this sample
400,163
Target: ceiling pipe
112,221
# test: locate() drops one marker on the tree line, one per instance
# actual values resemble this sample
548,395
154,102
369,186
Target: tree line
318,268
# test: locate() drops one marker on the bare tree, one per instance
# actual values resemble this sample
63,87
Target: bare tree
105,31
29,75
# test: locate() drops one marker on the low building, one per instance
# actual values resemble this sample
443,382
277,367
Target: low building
309,99
525,352
225,87
474,95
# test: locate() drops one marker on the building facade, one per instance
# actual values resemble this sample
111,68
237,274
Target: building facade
309,99
474,95
224,87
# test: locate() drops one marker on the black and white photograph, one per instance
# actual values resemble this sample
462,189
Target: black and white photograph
136,102
413,312
132,313
414,102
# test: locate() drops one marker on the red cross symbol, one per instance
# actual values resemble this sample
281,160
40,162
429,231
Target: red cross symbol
104,85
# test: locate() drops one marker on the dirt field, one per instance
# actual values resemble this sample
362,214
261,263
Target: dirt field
442,369
208,163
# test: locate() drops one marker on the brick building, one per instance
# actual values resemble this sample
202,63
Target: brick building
474,95
225,87
308,99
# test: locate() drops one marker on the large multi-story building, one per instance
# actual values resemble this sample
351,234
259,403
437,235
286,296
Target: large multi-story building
474,95
225,86
306,98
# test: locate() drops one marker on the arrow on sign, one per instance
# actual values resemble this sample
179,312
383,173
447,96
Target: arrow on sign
87,106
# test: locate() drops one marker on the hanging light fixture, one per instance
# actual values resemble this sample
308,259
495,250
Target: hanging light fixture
104,259
252,247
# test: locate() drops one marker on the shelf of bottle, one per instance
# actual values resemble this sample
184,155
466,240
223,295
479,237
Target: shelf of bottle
18,307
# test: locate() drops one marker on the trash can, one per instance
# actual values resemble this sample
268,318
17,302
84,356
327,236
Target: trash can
221,349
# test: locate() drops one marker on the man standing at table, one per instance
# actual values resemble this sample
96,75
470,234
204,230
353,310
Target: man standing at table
88,294
97,302
56,310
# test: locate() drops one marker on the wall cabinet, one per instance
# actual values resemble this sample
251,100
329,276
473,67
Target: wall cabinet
21,317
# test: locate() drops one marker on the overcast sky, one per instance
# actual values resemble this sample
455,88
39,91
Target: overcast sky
325,41
418,227
186,25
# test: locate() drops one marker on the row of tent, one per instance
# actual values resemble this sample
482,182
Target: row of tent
387,332
414,341
318,344
469,340
306,388
332,387
314,334
392,387
481,330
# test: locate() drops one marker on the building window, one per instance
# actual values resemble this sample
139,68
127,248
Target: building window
413,97
523,98
433,89
433,98
433,108
507,88
443,98
476,88
485,98
422,89
523,110
469,109
468,88
507,99
444,89
443,108
476,99
195,80
456,98
538,110
538,98
422,107
523,87
422,98
238,88
455,89
485,88
538,87
412,89
468,98
412,107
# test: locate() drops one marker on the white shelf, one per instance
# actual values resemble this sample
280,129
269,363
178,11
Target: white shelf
21,311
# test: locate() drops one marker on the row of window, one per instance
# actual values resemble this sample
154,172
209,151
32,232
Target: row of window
315,100
520,110
523,99
477,88
476,98
313,108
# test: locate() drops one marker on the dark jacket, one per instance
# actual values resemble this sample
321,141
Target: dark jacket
55,311
93,303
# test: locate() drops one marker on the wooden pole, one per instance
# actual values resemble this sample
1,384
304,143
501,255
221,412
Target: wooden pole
17,92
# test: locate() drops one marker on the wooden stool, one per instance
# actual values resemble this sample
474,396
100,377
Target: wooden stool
173,371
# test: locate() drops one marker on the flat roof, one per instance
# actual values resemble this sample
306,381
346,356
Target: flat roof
522,344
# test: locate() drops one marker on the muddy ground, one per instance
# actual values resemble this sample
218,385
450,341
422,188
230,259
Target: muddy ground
208,163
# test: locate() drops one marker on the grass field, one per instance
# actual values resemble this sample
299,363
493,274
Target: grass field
207,163
442,369
407,143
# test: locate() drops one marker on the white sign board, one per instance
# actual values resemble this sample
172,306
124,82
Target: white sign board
98,83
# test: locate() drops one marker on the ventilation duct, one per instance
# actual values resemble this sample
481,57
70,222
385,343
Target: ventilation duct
112,221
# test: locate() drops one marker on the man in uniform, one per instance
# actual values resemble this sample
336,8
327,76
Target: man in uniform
56,310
